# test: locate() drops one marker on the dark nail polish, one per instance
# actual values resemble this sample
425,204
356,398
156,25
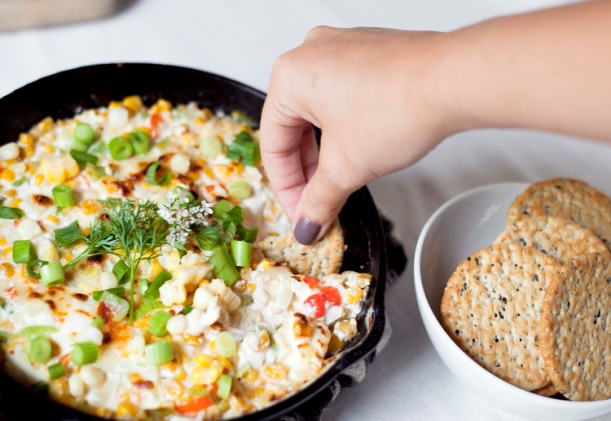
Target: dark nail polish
306,231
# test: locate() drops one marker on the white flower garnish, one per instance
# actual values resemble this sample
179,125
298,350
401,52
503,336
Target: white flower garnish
183,214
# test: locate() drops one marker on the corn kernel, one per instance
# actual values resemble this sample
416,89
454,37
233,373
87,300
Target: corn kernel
276,371
355,295
11,193
174,389
224,361
132,103
161,105
49,148
203,360
208,171
38,179
7,269
145,130
7,174
2,241
251,375
8,252
127,408
199,120
251,287
90,206
26,139
207,375
67,257
114,104
51,255
14,203
72,169
44,126
182,375
53,219
302,328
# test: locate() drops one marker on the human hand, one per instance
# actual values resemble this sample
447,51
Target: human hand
369,92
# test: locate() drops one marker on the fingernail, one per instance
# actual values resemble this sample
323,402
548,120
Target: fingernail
306,231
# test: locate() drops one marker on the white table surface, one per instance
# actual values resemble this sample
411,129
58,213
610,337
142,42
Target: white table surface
240,39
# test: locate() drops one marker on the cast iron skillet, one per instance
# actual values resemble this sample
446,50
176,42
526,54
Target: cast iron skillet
63,94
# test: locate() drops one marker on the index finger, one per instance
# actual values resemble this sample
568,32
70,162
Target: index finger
289,153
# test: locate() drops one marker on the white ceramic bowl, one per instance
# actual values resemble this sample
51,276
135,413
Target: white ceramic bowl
463,225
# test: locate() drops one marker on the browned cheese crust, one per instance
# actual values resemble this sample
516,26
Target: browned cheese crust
318,259
557,237
575,329
567,198
491,308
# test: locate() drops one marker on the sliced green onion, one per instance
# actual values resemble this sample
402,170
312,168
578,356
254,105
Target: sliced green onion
223,267
158,323
23,251
20,181
34,331
211,146
68,235
240,189
147,307
223,386
249,235
40,350
56,371
225,344
140,141
11,213
63,196
52,273
84,353
97,322
78,146
152,292
227,211
118,291
187,309
120,269
83,133
120,148
94,171
151,176
118,305
242,118
159,352
141,286
240,252
33,267
83,157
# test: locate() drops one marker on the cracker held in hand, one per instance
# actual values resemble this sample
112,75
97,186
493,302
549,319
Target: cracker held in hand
318,259
491,308
557,237
575,329
567,198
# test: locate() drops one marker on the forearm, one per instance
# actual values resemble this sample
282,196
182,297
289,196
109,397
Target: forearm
548,70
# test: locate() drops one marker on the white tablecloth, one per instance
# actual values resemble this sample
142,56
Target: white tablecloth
240,39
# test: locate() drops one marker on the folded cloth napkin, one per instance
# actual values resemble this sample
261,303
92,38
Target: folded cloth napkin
313,409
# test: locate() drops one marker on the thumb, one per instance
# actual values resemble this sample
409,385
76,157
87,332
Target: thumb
320,203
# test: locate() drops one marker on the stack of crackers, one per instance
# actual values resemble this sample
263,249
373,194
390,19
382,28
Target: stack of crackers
534,308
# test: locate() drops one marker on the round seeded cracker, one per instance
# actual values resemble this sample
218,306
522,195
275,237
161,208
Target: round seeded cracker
318,259
566,198
575,329
557,237
491,308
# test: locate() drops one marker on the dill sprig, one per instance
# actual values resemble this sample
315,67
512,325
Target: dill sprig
133,231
